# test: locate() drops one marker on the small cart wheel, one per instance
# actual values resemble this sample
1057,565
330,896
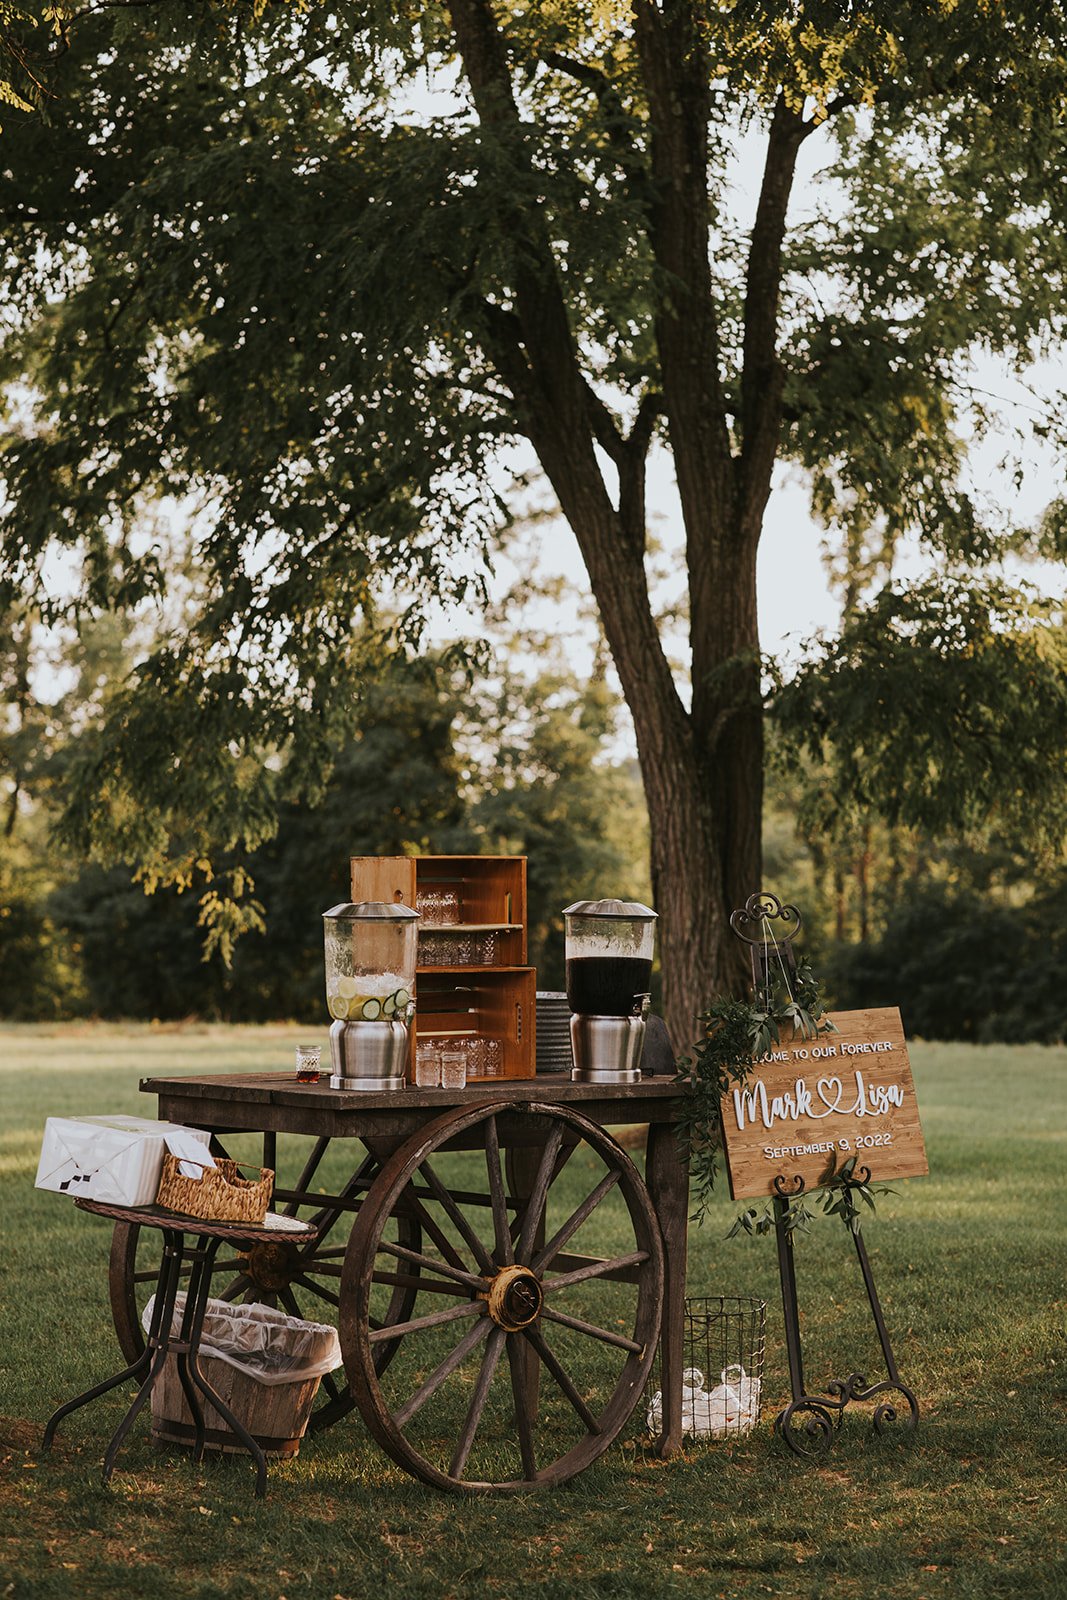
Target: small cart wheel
298,1276
505,1275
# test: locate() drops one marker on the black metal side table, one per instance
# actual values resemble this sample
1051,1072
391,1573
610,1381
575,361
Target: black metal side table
189,1245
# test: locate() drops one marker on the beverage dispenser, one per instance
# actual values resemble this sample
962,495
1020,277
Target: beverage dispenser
609,974
370,951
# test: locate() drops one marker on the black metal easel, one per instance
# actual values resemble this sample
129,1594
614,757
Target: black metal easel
807,1424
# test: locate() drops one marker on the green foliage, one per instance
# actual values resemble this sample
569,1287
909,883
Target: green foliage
393,789
41,975
737,1034
963,964
236,371
941,706
837,1196
841,1194
431,766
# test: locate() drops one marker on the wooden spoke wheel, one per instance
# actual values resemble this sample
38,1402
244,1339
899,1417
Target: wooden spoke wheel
524,1354
298,1276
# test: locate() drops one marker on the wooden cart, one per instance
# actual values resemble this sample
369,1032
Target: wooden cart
486,1347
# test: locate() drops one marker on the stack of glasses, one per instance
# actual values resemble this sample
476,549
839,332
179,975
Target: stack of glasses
456,949
448,1061
437,907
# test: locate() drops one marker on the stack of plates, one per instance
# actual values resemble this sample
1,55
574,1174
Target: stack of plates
553,1033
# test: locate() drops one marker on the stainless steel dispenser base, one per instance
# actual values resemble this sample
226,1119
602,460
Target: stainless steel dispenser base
607,1049
371,1056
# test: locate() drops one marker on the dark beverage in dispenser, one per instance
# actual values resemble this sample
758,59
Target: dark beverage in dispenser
607,986
609,946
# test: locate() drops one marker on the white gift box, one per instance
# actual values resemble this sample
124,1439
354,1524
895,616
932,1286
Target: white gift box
117,1160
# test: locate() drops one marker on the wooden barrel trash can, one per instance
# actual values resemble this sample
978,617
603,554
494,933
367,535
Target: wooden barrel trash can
265,1365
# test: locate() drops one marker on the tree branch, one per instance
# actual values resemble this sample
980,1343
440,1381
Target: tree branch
503,340
675,72
604,427
562,416
649,411
762,375
610,102
534,343
632,471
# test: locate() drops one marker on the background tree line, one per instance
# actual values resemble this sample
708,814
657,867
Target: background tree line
439,761
967,934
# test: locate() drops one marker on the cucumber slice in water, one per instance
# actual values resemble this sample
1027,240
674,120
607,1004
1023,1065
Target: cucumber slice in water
389,1005
401,998
371,1009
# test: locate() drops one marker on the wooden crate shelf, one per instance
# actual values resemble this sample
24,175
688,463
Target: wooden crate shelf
490,890
493,999
491,1003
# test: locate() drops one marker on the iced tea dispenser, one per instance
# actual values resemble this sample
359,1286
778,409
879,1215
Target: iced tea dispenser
609,947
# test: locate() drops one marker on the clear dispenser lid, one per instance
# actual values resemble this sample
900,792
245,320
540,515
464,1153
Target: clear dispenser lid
620,910
369,911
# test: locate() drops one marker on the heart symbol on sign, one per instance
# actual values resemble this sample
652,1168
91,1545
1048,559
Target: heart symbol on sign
829,1083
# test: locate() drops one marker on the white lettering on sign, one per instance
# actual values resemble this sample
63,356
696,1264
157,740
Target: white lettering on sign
870,1100
862,1141
823,1052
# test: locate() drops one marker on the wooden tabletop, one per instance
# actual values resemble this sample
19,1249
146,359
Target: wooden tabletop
275,1101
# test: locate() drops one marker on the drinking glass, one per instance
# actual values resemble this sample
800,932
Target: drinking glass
453,1068
428,905
427,1065
308,1057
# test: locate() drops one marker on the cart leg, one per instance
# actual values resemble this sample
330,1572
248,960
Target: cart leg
667,1180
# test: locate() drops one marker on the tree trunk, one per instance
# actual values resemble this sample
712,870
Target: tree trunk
863,875
702,773
702,769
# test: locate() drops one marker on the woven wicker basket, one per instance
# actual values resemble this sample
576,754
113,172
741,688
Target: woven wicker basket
219,1194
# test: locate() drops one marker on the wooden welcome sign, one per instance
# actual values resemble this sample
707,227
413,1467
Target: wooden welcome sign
811,1104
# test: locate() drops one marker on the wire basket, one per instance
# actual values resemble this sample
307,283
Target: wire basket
722,1381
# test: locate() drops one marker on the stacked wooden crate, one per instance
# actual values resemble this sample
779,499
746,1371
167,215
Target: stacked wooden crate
490,999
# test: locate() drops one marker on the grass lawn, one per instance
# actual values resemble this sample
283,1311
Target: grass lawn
970,1265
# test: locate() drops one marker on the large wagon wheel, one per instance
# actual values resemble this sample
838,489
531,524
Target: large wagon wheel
299,1277
500,1279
